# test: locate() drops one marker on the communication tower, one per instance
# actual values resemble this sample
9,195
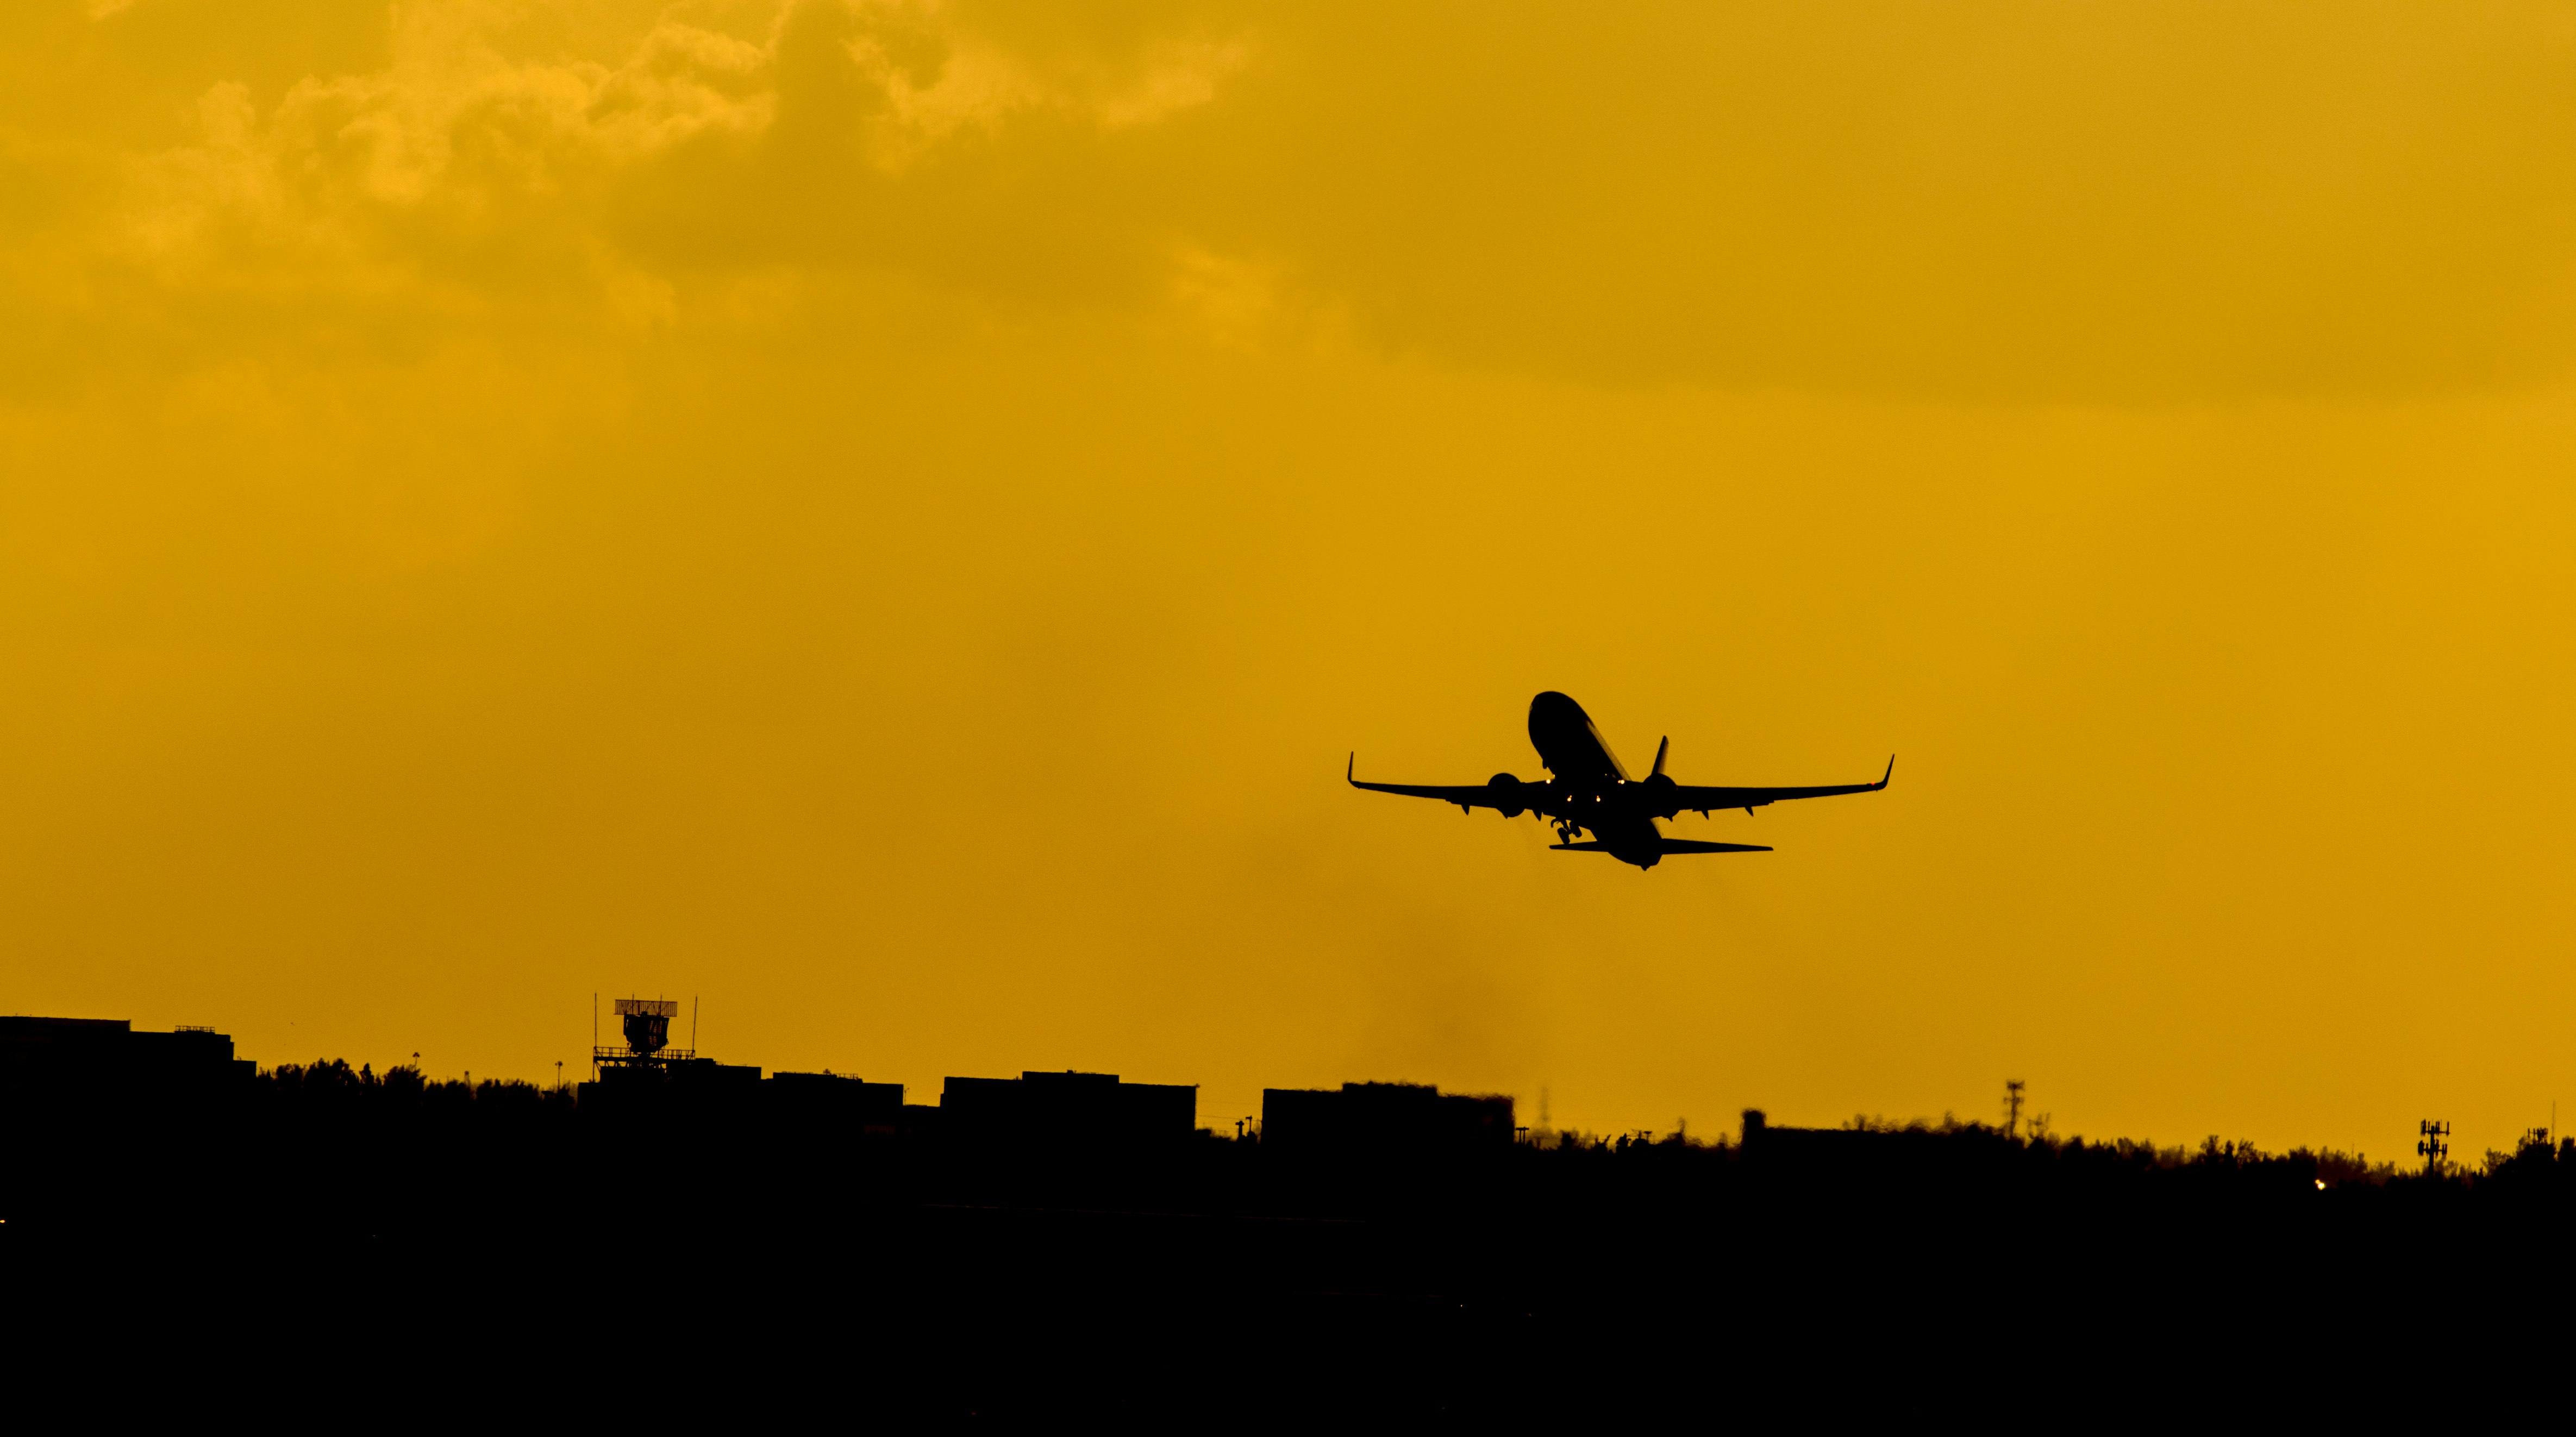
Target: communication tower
2430,1146
2012,1107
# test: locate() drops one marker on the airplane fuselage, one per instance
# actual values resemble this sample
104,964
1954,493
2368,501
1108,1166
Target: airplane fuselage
1588,787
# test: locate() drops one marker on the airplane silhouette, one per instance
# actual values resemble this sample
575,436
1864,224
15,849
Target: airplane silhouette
1590,791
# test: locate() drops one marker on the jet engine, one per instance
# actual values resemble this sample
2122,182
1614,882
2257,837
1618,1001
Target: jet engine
1507,794
1660,799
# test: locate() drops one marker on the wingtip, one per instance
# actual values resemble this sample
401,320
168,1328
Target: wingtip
1891,771
1351,770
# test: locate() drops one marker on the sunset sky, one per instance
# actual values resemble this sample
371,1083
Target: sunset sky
888,518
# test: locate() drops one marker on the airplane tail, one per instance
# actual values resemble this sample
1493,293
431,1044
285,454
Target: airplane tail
1663,746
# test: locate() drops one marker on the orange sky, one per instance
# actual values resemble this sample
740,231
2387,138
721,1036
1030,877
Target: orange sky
889,517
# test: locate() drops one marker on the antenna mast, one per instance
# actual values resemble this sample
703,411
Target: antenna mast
2430,1145
2012,1107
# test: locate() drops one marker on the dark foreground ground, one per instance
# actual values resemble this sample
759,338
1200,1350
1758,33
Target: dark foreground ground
369,1254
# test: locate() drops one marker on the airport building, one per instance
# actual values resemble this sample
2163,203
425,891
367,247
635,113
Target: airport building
1068,1107
95,1055
1359,1119
834,1100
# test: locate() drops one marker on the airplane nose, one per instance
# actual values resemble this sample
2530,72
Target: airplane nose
1554,707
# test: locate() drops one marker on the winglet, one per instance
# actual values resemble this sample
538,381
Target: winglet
1350,771
1891,773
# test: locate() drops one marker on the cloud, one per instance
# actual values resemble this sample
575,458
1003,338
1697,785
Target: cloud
2128,202
2122,203
477,177
455,145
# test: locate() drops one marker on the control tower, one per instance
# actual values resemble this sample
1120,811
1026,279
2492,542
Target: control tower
647,1022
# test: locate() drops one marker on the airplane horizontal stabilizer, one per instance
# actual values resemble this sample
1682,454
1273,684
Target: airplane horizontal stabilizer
1673,845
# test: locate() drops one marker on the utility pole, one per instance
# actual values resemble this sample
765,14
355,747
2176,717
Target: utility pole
2012,1107
2430,1145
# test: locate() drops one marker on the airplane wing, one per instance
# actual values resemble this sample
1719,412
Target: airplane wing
1696,796
1672,845
1465,795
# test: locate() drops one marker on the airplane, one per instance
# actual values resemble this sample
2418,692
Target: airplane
1589,790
